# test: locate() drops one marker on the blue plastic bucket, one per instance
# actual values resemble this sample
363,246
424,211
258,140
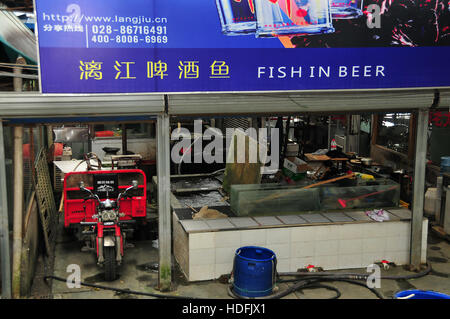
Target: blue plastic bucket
420,294
445,164
254,271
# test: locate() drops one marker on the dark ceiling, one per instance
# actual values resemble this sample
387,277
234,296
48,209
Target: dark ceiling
25,5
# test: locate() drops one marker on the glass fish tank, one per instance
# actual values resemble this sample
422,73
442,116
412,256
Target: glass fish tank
275,199
272,199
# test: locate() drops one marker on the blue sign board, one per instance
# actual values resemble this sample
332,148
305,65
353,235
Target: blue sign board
134,46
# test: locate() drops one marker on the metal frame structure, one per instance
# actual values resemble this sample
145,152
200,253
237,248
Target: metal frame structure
300,103
164,211
38,108
5,258
34,105
419,188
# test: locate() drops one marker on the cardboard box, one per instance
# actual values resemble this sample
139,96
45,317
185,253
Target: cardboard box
295,168
295,165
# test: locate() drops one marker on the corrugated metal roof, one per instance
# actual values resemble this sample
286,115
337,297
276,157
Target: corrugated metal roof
17,37
300,102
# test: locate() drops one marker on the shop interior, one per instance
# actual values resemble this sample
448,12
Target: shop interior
346,171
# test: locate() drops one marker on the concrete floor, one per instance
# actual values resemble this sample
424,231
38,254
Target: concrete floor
138,273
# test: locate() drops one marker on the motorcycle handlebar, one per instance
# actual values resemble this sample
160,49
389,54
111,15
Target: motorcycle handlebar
95,196
92,195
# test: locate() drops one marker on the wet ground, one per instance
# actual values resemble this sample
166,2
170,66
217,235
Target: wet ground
201,199
195,183
139,273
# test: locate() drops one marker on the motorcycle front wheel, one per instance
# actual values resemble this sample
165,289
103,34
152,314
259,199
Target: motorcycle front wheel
110,263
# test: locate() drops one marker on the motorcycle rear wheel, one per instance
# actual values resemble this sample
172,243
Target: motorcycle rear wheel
110,263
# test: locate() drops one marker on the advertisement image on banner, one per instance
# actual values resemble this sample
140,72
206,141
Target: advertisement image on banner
164,46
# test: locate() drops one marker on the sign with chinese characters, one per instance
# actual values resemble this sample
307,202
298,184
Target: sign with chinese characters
165,46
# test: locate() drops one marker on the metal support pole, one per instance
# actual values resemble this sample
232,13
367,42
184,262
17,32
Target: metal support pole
18,209
439,188
4,228
124,140
446,214
18,194
329,132
356,130
419,189
164,212
347,133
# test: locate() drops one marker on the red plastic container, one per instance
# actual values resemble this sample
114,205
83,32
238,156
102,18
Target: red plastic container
104,133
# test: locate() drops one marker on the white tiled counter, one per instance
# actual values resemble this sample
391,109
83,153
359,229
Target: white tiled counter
205,249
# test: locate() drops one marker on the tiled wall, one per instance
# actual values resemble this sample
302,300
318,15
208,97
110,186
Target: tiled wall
339,246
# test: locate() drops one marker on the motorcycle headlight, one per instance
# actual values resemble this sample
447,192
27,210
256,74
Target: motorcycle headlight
108,215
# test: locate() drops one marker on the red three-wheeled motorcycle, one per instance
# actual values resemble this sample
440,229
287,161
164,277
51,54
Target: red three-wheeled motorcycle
103,207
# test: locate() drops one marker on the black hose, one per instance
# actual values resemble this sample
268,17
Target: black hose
315,286
126,291
355,276
312,280
300,285
373,290
354,282
310,283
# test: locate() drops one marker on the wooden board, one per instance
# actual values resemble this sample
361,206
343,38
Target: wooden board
316,158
